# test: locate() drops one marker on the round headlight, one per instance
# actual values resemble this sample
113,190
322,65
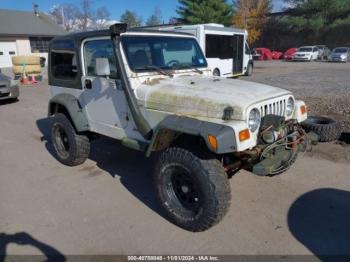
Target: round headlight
254,119
290,106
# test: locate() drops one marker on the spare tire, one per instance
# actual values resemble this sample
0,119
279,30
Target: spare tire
26,59
326,128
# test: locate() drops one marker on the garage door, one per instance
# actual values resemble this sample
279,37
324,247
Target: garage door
7,49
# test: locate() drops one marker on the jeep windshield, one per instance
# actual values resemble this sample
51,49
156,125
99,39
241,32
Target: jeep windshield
340,50
305,49
159,53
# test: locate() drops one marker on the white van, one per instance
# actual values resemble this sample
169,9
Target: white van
225,48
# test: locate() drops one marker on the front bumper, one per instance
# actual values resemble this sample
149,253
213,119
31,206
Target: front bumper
284,157
11,92
278,144
338,59
303,58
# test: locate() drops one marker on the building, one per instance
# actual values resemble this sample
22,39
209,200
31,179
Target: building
24,33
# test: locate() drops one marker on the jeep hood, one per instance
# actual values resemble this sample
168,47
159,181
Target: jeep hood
204,96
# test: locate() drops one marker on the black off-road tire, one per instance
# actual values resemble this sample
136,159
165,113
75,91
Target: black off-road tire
208,181
326,128
71,149
216,72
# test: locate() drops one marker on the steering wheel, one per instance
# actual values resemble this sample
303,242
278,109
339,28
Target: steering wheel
172,62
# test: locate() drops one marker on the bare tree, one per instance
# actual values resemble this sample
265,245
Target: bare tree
86,14
81,18
101,18
67,15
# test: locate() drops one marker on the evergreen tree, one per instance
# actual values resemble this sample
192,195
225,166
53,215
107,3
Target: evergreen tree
204,11
317,20
318,16
131,19
155,18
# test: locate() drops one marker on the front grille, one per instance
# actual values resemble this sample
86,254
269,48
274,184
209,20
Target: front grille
4,94
2,86
275,108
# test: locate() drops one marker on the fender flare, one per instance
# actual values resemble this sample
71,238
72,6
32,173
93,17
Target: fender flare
74,109
225,135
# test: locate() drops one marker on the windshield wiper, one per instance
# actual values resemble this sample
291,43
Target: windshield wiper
185,65
159,70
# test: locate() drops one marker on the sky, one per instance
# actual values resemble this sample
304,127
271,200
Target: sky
115,7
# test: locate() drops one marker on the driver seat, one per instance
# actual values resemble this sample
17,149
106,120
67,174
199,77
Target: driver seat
140,59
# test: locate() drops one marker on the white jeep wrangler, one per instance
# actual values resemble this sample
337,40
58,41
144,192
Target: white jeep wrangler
153,91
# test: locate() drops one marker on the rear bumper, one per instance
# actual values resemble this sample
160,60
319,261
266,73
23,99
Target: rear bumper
9,92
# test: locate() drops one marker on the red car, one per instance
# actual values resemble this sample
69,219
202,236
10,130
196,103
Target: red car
288,55
264,53
276,55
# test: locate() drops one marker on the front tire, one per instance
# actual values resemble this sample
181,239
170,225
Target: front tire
249,71
194,193
71,149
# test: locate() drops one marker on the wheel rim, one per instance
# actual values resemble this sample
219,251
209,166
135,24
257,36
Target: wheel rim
61,141
182,189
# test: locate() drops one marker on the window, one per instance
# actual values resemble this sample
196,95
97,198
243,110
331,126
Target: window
146,52
99,49
247,49
1,53
305,49
39,44
219,46
64,65
12,53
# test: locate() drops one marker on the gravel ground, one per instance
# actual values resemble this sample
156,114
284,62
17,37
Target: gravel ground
107,205
325,87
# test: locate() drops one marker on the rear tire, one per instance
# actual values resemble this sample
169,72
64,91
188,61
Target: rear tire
249,71
194,194
326,128
71,148
216,72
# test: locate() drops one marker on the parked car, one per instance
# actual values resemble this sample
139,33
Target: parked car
8,88
340,54
306,53
264,53
276,55
255,54
323,52
289,54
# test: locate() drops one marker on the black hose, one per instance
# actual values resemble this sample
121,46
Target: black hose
140,122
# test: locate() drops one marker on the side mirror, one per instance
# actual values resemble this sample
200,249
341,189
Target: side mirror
102,67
